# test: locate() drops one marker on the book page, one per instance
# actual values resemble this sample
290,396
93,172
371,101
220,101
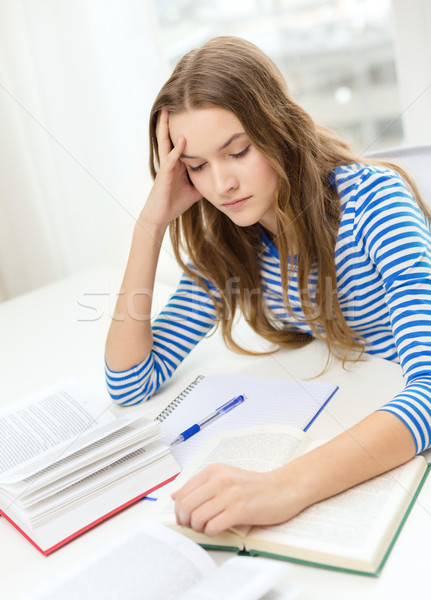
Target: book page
356,524
149,562
95,484
253,448
260,448
50,425
33,494
90,458
240,578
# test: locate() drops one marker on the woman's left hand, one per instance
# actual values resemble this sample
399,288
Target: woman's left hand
222,496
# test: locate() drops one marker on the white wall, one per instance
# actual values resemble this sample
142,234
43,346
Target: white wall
77,79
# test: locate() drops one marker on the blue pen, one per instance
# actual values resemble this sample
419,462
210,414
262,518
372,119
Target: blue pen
221,410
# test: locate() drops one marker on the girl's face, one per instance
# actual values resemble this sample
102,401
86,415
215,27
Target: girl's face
225,167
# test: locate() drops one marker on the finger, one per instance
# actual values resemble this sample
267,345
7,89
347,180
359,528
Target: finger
187,504
162,134
204,477
202,516
175,154
206,494
171,161
192,484
219,522
211,517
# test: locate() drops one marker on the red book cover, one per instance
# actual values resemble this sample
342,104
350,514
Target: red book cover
90,525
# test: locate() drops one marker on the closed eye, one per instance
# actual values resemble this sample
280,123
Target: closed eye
242,153
238,155
198,168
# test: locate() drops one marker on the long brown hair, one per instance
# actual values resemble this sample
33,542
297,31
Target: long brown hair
234,74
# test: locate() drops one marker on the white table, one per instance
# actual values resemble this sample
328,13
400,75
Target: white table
59,331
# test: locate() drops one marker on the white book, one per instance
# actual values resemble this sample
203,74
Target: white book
66,463
151,561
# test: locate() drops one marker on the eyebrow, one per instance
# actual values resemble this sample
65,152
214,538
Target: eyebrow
234,137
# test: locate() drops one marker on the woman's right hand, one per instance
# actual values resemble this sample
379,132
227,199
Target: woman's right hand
172,193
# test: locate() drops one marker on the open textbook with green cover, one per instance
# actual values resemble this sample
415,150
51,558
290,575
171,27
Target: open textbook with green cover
353,531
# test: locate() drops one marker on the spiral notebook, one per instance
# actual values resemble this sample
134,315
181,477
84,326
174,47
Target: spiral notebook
295,403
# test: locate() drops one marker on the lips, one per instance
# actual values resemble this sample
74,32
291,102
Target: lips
237,203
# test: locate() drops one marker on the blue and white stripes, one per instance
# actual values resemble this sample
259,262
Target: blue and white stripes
188,316
383,265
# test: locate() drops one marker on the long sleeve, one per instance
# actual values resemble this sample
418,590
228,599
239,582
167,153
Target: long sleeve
393,233
189,315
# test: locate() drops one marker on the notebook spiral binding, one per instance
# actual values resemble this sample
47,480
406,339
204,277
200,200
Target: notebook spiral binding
177,401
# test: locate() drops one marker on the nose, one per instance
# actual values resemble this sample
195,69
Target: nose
224,180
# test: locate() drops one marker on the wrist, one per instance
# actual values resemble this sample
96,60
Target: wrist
146,228
299,485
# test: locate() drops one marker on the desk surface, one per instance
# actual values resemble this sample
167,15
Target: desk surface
59,331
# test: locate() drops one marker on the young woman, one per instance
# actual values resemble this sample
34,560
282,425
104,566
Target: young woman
281,221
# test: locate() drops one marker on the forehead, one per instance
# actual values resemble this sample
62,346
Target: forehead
204,128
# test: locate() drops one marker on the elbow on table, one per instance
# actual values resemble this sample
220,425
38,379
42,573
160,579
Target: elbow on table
131,386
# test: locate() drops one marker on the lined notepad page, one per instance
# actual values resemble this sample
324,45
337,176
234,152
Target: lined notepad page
295,403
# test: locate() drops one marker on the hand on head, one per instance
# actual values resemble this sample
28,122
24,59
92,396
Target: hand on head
172,193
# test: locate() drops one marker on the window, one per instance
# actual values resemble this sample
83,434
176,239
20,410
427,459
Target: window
337,55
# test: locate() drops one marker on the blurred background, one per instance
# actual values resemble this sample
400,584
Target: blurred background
337,57
78,77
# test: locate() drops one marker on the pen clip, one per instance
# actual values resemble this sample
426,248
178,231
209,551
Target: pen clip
230,404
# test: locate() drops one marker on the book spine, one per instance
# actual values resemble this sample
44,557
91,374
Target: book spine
177,401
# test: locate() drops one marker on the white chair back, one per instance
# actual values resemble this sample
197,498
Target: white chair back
416,160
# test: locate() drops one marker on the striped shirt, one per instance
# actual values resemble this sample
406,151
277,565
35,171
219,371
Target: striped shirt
383,266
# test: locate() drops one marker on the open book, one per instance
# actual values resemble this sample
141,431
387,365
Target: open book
353,531
66,463
137,565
